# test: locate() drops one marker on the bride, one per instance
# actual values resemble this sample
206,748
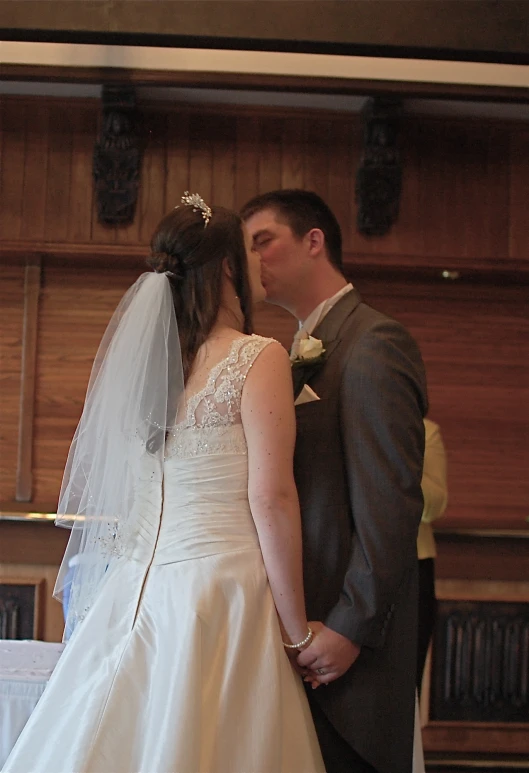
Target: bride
186,597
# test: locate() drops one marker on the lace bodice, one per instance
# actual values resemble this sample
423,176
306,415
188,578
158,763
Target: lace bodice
212,424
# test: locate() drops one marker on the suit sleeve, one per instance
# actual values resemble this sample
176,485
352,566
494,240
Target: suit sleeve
383,400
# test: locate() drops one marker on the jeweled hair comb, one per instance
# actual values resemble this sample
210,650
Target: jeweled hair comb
199,205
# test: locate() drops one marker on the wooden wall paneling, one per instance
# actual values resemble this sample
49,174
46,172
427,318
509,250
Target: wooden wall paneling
464,184
151,199
406,236
58,192
294,153
200,156
519,193
270,153
474,340
223,128
13,114
11,321
24,479
247,159
342,166
84,126
35,171
30,542
489,559
489,236
274,322
440,205
76,306
317,157
177,158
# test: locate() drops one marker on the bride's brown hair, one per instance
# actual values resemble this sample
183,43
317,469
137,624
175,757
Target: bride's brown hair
193,254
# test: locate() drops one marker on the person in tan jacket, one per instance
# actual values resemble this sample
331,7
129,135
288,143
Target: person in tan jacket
435,493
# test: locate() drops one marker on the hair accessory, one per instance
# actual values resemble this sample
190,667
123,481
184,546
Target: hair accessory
197,202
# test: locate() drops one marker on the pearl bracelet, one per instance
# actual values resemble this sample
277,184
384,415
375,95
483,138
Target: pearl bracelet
306,641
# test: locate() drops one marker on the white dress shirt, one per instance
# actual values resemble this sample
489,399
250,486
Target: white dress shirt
315,317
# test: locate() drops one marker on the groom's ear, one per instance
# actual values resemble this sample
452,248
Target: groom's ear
316,242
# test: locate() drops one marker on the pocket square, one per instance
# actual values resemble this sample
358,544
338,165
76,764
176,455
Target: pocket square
307,395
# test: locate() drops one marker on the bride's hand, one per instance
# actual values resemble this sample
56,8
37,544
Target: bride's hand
328,656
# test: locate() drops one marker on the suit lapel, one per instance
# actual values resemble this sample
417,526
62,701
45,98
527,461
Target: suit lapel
329,328
328,332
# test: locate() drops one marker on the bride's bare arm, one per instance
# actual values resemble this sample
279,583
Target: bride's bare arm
269,423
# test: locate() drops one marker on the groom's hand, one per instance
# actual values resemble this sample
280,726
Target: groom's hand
330,653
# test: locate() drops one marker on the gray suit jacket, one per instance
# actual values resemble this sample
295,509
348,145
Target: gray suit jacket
358,466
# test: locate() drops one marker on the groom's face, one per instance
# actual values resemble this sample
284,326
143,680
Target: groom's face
283,256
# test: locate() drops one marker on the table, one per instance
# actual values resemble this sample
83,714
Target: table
25,667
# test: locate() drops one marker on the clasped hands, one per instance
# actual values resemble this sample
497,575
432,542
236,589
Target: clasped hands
327,657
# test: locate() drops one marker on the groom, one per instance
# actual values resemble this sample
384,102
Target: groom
358,467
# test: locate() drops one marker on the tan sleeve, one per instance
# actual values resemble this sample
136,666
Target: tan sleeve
433,484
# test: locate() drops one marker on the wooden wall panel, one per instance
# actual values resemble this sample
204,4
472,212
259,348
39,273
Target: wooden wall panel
33,217
177,158
316,157
247,159
59,170
275,322
475,341
11,317
519,194
465,182
75,308
223,167
200,157
343,161
270,154
151,203
294,153
83,122
30,326
13,117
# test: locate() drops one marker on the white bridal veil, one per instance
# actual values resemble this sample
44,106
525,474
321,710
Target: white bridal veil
131,402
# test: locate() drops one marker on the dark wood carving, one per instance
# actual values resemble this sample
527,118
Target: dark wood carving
481,662
379,176
117,158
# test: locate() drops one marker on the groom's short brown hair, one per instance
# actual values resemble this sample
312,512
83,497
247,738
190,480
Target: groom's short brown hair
301,210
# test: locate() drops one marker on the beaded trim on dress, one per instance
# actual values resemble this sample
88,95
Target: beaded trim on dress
213,416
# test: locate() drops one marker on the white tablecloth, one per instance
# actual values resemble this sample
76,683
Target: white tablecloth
25,667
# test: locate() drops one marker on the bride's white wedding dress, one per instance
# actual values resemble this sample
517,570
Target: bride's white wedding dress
179,666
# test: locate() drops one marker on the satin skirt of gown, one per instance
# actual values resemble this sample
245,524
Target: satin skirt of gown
178,666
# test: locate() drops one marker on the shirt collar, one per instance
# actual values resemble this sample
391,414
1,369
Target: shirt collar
316,316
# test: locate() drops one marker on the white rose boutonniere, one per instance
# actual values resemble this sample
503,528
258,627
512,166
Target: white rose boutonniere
310,349
307,362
